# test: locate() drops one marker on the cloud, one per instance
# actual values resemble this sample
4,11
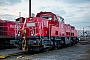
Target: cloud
54,9
9,2
8,17
75,12
75,1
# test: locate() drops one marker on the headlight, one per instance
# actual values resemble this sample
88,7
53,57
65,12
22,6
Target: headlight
30,18
34,41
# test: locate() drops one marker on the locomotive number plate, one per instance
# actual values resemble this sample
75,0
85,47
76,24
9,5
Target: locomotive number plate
30,24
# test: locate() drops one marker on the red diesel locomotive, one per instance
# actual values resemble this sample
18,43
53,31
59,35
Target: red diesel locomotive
44,32
8,31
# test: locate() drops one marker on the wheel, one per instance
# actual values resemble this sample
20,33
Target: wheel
55,48
45,49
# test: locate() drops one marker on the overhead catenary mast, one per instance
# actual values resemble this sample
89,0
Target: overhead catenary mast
29,8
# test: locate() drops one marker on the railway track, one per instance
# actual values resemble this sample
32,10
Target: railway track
19,54
15,53
10,52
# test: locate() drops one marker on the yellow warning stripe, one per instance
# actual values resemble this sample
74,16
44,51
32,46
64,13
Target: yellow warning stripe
3,56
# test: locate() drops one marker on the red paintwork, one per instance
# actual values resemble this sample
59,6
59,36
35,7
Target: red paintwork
73,31
53,30
47,27
7,28
62,29
68,29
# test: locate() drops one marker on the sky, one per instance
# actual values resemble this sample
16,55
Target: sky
75,12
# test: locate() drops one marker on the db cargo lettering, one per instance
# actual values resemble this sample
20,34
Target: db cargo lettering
14,26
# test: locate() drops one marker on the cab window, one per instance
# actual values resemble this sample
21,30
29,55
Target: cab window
49,17
55,19
61,19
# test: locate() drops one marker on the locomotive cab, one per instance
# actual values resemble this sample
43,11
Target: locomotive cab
51,17
20,19
48,15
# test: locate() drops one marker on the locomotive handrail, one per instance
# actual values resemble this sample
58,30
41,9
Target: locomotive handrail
6,31
17,29
49,30
24,24
3,27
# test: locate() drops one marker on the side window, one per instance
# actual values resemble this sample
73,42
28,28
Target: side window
56,33
55,20
61,19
